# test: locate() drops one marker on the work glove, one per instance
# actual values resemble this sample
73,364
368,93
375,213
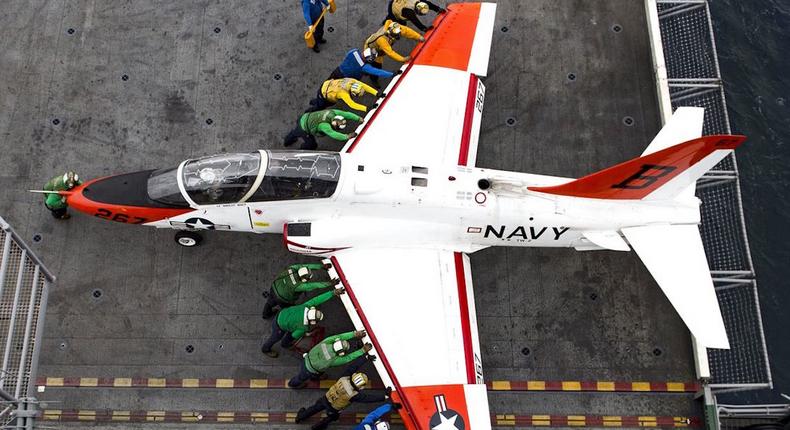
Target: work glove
367,347
429,28
327,266
336,281
382,95
338,291
422,39
408,58
360,334
442,10
398,72
352,135
375,105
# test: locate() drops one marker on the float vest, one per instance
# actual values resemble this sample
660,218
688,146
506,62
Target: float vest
370,42
399,5
340,394
331,89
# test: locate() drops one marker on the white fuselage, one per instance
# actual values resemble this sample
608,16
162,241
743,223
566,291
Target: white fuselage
405,204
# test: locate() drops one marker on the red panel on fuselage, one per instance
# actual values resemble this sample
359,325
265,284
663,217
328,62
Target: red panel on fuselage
119,213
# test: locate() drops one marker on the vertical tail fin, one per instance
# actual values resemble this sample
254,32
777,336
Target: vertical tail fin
657,176
667,168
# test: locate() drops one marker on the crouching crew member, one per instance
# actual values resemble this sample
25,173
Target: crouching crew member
291,283
385,36
341,89
330,122
331,352
55,202
292,323
342,394
402,10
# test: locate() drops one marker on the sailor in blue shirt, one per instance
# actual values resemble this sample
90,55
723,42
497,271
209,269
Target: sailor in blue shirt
357,63
374,419
312,10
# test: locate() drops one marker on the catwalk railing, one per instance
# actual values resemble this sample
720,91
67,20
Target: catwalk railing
24,288
687,74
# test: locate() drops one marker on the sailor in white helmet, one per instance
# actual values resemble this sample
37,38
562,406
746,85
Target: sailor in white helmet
331,352
347,390
292,323
402,10
291,284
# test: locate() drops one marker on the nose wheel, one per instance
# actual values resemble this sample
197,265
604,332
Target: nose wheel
188,239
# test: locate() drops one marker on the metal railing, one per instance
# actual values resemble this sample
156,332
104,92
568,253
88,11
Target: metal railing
687,74
24,289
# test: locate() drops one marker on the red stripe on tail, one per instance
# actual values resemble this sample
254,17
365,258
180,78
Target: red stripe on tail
637,178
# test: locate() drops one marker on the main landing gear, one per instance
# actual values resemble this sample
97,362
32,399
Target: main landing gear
188,239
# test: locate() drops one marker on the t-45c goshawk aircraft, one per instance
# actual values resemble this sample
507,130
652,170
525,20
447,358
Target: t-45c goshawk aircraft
421,203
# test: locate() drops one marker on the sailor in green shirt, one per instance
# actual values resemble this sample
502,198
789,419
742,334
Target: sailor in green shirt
293,322
331,352
54,201
291,283
329,122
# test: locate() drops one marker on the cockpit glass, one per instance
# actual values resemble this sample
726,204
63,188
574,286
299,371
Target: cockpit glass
163,188
298,175
221,179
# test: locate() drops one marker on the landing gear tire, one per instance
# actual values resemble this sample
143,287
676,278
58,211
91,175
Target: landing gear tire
188,239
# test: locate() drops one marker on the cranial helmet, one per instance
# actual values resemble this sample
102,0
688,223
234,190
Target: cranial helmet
356,89
340,347
421,7
394,30
360,380
304,274
370,54
70,179
338,122
312,316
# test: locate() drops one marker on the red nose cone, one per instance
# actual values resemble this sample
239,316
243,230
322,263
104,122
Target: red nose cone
121,198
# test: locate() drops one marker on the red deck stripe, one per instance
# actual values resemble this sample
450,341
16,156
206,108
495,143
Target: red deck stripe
373,339
466,331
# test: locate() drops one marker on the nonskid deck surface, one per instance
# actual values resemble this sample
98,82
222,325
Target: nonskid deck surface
205,77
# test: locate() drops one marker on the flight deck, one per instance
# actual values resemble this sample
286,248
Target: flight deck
142,333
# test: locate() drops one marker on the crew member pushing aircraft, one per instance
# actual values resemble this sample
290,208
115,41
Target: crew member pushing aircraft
330,122
356,64
385,36
334,90
401,10
331,352
292,323
347,390
291,283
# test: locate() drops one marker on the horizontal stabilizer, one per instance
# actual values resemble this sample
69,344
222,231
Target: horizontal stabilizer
675,257
607,239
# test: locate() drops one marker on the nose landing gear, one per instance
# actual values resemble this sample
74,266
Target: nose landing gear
188,239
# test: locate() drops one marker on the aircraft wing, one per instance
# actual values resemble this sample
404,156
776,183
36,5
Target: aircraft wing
432,110
417,306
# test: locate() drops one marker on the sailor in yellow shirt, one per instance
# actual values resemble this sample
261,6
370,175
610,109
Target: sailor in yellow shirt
383,39
341,89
